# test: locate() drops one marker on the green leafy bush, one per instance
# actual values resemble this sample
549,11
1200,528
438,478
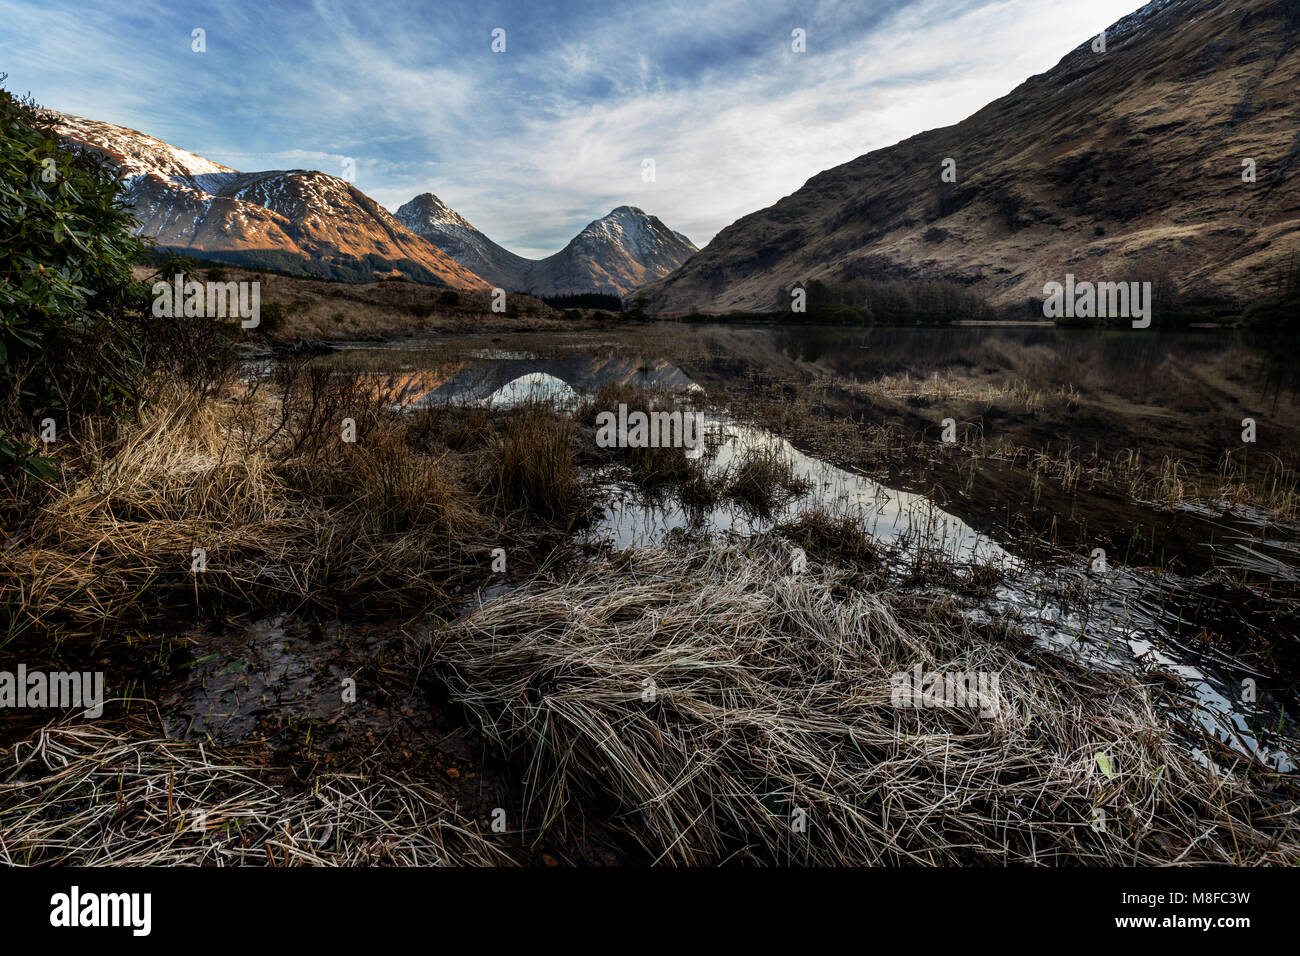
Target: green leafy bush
71,314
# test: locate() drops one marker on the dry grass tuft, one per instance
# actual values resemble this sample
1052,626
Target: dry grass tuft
96,795
836,537
762,479
772,694
658,467
283,508
534,469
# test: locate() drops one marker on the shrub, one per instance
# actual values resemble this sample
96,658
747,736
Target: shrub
1280,309
71,314
272,318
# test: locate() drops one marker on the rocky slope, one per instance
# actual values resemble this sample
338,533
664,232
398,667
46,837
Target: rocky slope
1116,165
429,217
301,220
614,255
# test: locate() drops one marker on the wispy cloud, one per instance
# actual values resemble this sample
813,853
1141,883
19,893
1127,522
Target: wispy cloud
533,143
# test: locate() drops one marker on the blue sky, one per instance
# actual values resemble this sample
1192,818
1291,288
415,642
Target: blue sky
533,143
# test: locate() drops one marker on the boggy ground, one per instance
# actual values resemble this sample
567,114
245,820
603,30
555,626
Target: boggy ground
1066,444
1067,441
694,703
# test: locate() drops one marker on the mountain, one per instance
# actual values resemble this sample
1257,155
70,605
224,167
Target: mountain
298,220
614,255
429,217
625,249
308,222
1112,165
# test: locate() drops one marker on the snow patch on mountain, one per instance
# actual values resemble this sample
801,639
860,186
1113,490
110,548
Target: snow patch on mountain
631,229
182,199
613,254
137,154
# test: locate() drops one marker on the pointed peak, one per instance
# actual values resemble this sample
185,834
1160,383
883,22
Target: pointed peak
633,230
620,218
425,201
428,208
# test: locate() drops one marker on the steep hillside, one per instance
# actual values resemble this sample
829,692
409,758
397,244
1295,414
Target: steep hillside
1114,165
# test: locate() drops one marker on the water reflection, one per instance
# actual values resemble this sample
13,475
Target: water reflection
1132,621
477,380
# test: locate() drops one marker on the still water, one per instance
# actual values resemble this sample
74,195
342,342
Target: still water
1181,393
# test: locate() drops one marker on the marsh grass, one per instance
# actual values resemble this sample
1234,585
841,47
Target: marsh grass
924,391
759,477
126,795
459,427
534,469
1266,482
772,694
762,478
652,468
838,538
285,510
771,691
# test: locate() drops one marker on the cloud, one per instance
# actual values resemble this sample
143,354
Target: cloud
532,144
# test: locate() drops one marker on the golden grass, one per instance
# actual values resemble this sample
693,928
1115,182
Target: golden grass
319,309
534,470
280,514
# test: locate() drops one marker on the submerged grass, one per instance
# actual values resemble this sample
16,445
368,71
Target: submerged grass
708,699
653,467
762,478
759,477
1239,477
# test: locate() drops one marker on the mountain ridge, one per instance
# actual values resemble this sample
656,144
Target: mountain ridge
186,202
1106,165
314,223
614,254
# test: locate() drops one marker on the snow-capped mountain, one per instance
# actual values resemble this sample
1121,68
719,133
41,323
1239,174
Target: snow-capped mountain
615,254
298,220
137,155
1121,162
309,221
428,216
